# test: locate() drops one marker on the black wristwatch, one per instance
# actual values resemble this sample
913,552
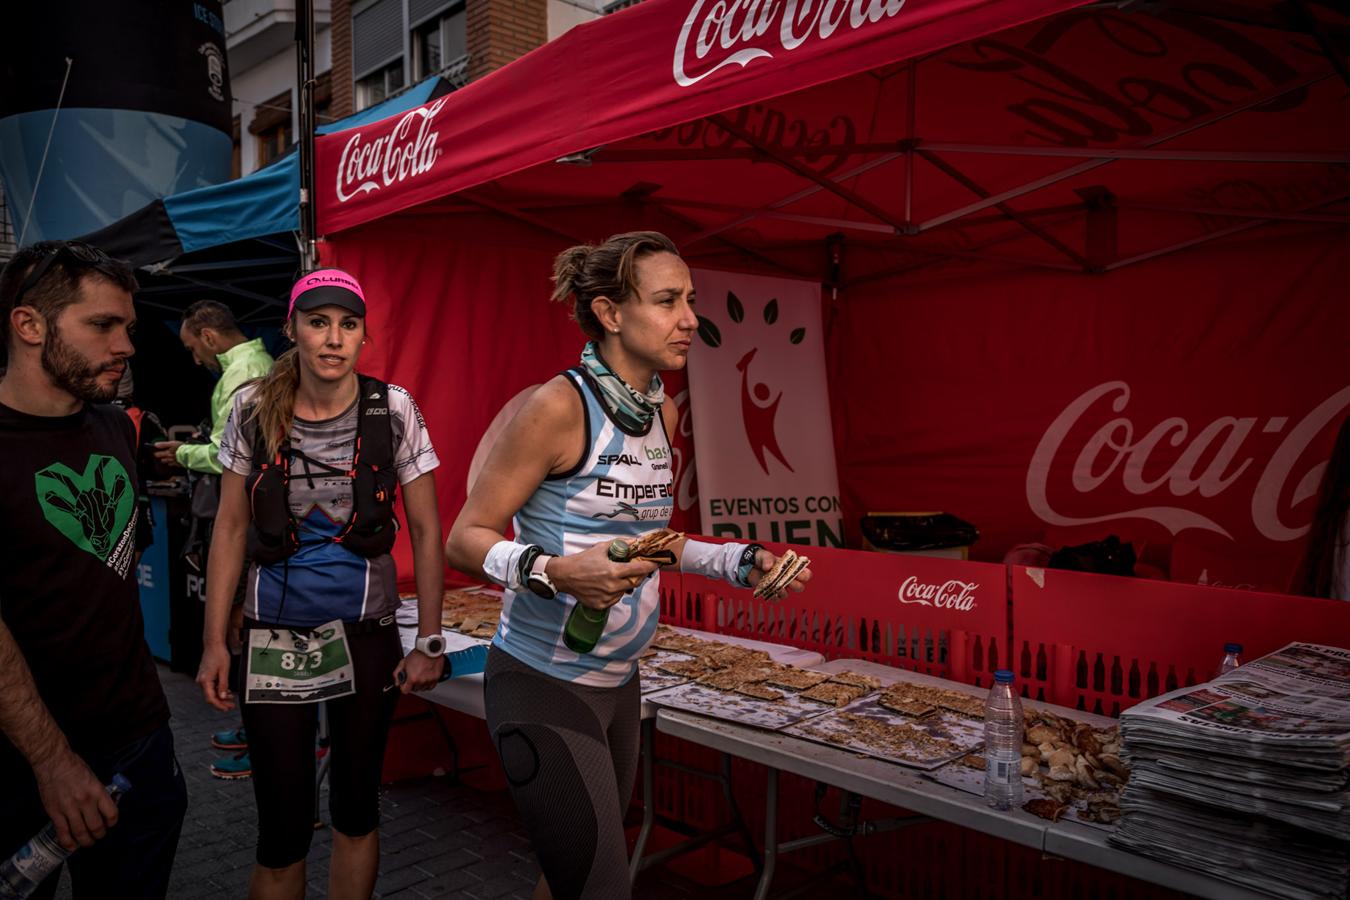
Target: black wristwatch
746,565
532,575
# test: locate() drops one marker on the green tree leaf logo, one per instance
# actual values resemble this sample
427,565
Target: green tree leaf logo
710,334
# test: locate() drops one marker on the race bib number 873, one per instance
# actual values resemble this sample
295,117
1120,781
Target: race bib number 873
290,667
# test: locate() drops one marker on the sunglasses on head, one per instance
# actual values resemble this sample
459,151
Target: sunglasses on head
79,251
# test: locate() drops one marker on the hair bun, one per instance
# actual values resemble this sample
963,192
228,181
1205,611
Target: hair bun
568,268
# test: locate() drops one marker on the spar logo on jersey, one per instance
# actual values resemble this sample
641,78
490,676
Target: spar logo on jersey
618,459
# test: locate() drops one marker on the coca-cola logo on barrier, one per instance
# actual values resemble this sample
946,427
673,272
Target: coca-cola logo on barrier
401,154
1208,459
957,595
733,32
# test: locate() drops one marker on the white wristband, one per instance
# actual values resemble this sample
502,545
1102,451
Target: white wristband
502,563
712,560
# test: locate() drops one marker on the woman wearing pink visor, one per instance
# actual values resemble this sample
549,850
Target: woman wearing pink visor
313,456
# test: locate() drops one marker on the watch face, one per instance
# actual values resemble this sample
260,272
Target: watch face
541,586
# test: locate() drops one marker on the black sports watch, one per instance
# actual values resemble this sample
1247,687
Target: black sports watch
532,564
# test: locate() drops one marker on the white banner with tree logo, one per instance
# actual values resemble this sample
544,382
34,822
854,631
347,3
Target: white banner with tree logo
761,410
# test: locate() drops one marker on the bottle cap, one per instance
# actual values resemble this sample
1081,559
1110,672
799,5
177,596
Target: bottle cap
1003,676
120,782
618,550
1232,648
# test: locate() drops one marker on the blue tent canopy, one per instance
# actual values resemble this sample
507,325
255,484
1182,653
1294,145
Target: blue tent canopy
261,203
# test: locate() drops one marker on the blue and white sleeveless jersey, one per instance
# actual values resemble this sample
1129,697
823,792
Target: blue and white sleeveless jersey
623,487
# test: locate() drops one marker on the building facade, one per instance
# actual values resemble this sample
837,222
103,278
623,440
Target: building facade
369,50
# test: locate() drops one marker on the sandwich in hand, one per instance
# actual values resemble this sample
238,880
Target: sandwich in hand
774,583
651,547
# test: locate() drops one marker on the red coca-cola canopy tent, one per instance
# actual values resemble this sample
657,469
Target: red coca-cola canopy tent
1084,265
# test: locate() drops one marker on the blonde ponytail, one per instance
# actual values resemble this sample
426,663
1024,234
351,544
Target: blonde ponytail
274,401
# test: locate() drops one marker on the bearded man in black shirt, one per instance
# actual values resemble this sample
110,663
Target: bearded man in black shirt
80,699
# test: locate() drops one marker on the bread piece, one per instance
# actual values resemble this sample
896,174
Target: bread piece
905,706
796,679
857,680
759,692
834,693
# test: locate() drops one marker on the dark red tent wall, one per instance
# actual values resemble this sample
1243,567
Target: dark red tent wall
1187,403
1093,202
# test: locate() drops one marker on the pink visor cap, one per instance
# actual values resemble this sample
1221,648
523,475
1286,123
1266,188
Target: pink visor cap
327,287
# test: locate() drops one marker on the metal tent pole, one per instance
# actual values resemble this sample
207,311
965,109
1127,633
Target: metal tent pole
304,55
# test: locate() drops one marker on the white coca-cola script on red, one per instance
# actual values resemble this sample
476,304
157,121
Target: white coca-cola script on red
958,595
405,152
1117,451
719,34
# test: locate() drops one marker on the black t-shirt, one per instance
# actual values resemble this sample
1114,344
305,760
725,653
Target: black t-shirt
68,591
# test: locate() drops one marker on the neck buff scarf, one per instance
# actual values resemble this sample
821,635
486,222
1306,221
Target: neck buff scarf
633,410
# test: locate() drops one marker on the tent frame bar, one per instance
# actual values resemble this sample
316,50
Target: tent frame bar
1215,235
809,174
1218,211
792,198
1026,224
1079,169
908,146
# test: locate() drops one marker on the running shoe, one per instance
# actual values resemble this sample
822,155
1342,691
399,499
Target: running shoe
232,767
233,739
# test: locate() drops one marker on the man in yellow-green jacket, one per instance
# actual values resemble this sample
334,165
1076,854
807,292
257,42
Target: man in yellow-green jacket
215,341
213,337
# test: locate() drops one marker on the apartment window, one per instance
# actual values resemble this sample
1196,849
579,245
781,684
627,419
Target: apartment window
378,85
438,42
323,99
271,128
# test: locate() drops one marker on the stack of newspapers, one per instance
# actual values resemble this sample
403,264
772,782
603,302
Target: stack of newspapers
1247,777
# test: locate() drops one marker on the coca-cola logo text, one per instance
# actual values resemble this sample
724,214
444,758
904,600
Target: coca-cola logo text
1210,460
1125,90
958,595
400,154
722,32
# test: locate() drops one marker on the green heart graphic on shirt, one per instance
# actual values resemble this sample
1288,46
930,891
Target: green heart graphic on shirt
93,508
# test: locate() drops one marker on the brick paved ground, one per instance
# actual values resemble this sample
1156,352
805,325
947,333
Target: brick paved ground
437,839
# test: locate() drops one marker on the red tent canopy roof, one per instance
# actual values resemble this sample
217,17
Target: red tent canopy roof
655,65
943,131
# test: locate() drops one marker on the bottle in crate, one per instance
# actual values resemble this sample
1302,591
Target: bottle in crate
1231,659
1003,744
35,861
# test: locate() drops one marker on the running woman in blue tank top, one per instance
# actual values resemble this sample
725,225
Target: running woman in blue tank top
586,460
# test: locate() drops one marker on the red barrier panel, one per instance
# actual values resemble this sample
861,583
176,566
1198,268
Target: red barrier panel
1104,643
944,617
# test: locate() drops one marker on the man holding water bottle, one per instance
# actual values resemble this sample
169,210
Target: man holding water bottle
80,700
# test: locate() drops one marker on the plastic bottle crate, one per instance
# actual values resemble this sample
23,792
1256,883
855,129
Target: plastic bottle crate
1103,643
944,617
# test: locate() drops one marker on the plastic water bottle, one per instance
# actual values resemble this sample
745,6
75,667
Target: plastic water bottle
1230,659
584,625
35,861
1003,744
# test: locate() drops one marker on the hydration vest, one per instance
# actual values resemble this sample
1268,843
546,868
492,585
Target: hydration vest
274,532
